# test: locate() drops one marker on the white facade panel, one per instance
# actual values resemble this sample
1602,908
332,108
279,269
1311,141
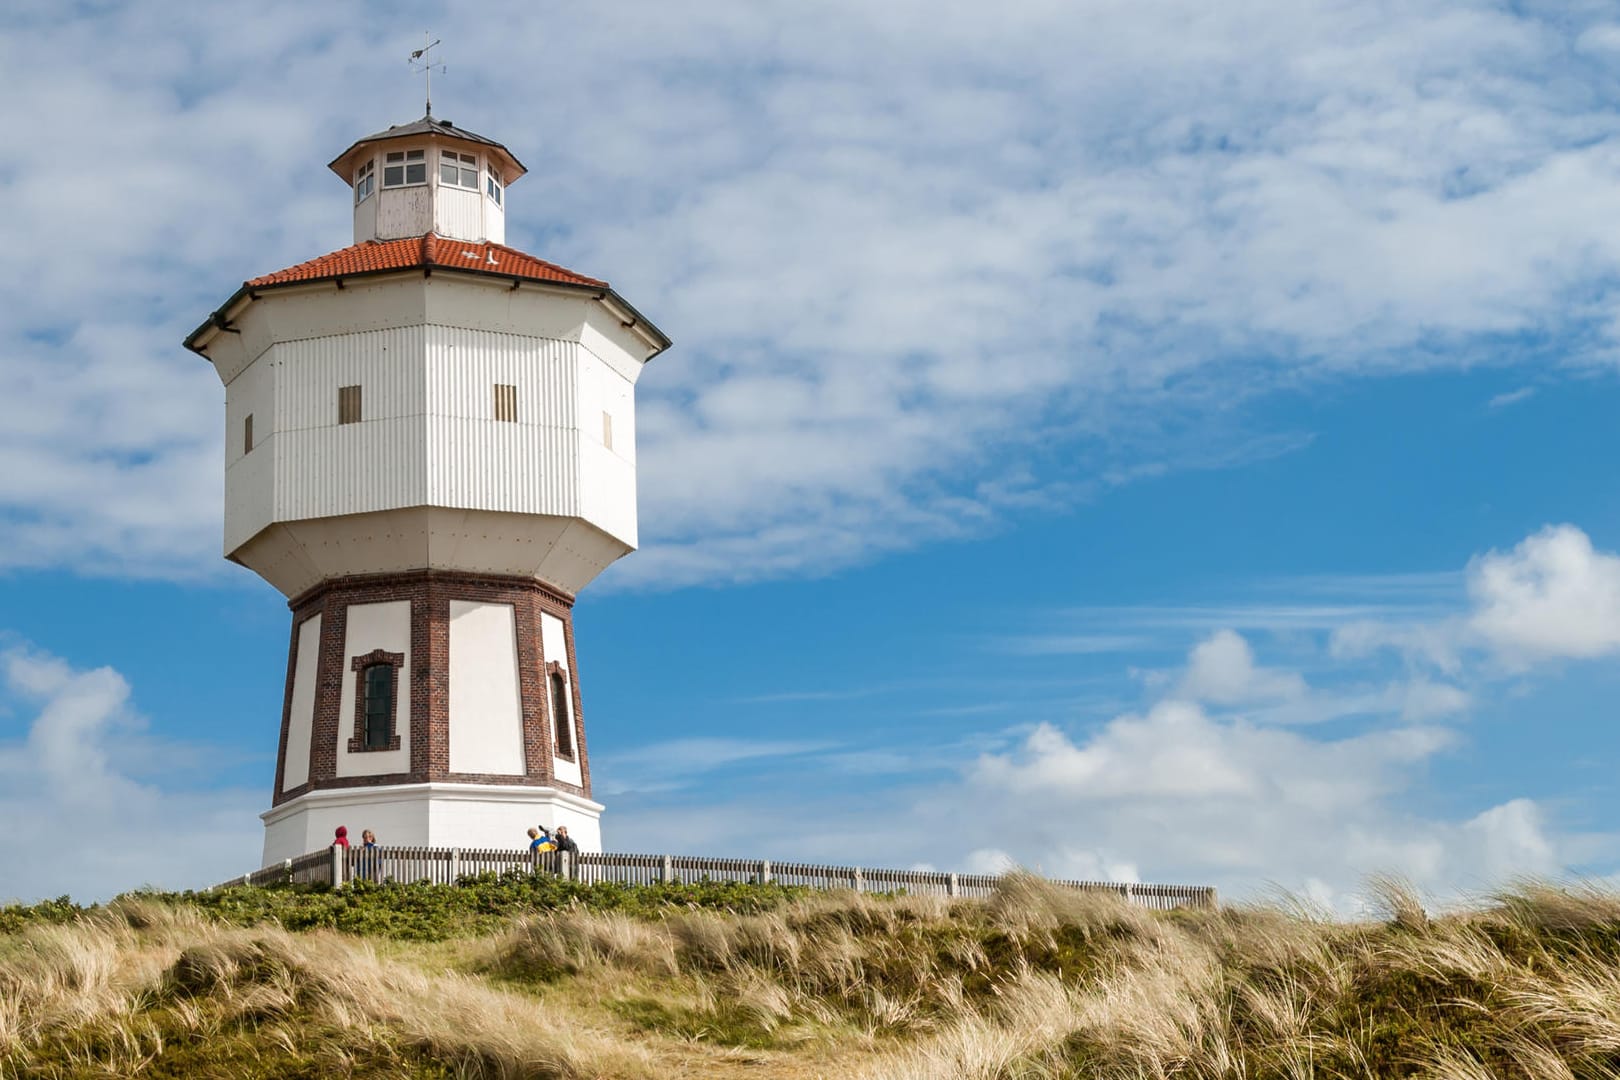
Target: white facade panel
301,715
403,212
251,394
603,390
459,214
464,365
385,626
478,462
532,310
616,345
608,491
554,647
494,221
386,364
323,310
489,465
486,701
365,219
352,469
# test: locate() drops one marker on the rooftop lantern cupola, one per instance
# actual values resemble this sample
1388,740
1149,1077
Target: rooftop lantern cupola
428,176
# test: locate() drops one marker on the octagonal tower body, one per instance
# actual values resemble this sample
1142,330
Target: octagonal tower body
429,451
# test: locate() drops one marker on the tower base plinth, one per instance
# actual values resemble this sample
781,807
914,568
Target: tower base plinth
470,816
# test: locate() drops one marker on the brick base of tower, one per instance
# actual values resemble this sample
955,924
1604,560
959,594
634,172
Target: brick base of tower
484,738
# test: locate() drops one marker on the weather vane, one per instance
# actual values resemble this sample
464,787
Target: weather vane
421,61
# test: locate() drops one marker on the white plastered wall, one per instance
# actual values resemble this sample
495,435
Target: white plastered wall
486,707
607,474
434,815
301,713
554,645
385,626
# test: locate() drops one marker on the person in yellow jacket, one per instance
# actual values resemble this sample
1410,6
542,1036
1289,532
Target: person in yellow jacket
540,840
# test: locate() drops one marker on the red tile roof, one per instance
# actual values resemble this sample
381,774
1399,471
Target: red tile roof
422,251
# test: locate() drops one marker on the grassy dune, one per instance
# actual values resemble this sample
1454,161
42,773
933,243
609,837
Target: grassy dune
541,979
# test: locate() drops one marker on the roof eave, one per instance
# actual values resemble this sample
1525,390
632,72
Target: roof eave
511,168
630,318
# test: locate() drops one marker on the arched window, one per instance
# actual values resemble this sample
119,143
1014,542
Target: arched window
376,701
379,706
560,717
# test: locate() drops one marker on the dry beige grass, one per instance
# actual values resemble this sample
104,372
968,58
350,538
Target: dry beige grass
1035,984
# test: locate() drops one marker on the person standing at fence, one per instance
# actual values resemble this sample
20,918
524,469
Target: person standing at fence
540,840
341,837
566,842
369,864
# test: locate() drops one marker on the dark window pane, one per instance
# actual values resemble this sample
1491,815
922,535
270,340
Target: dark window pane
559,712
396,156
393,176
447,173
415,155
469,178
416,174
379,706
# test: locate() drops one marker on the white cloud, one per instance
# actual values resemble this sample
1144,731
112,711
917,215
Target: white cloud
1511,397
1552,596
903,256
1172,794
81,824
1222,671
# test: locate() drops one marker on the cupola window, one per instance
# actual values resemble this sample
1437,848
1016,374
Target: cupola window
405,167
365,181
492,185
458,170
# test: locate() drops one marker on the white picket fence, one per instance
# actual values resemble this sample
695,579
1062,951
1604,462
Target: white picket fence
446,866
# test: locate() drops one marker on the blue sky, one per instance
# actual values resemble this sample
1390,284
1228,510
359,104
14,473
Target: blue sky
1134,440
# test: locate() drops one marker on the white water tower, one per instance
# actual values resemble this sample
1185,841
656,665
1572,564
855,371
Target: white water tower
430,450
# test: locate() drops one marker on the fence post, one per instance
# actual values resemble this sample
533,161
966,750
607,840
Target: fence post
455,864
247,879
337,866
565,862
1130,892
856,875
764,876
667,870
951,886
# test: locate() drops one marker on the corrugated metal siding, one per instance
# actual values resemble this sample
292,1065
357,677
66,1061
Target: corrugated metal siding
375,465
459,214
324,468
387,364
530,466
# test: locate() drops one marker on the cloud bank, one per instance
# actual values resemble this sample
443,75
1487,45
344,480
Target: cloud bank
925,273
79,821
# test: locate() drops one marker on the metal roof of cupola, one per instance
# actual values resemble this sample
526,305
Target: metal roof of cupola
428,176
